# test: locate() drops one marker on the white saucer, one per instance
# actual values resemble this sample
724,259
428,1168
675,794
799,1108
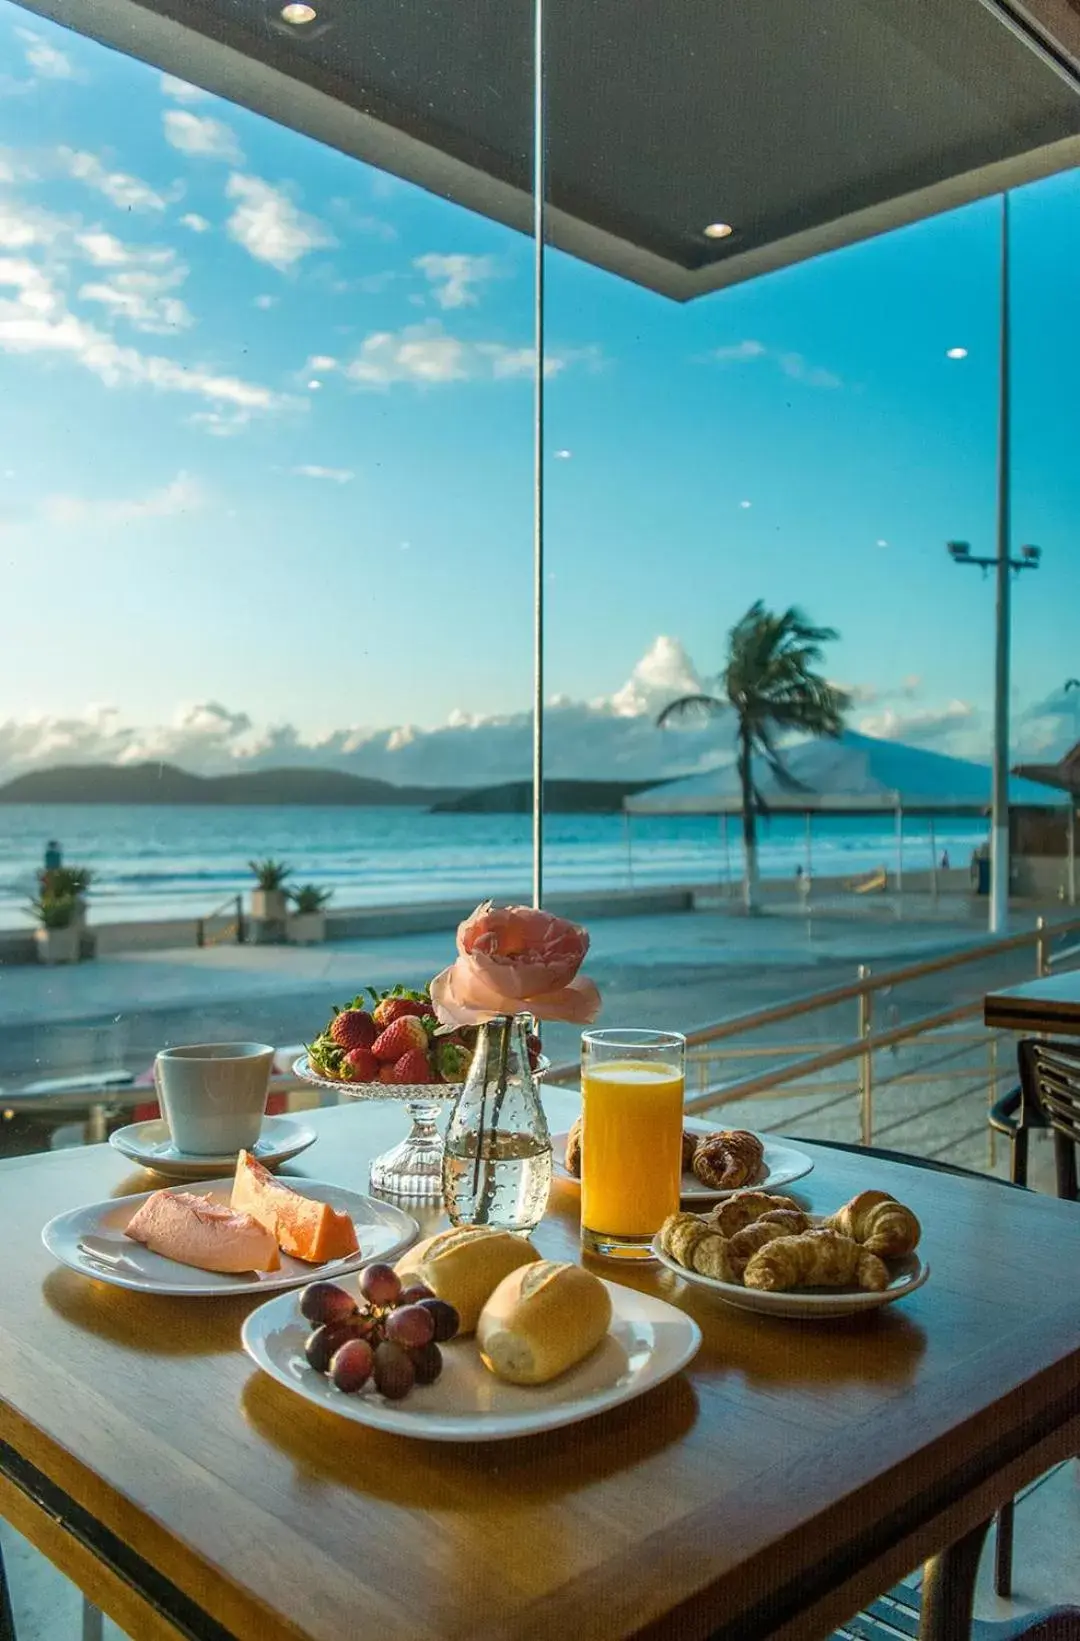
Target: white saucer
150,1144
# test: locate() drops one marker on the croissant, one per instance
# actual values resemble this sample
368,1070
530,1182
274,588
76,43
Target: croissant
745,1243
572,1158
747,1206
679,1233
689,1146
883,1225
817,1259
711,1257
726,1160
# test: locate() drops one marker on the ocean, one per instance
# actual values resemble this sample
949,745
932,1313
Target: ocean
162,862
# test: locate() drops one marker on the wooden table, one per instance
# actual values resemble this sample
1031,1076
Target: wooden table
790,1474
1050,1004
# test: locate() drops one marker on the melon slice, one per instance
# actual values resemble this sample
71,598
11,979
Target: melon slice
308,1230
197,1231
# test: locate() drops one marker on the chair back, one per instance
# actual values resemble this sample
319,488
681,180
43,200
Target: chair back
1050,1080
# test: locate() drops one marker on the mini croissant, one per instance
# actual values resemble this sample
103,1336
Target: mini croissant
679,1234
817,1259
745,1243
883,1225
747,1206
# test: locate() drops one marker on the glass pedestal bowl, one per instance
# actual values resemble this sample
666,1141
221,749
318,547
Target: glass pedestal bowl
413,1169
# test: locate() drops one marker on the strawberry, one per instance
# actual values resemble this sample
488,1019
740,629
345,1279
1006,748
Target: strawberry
453,1060
386,1074
405,1033
532,1043
353,1028
413,1067
396,1007
362,1066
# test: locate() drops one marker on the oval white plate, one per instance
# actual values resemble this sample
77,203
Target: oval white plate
781,1165
150,1145
91,1241
649,1341
807,1304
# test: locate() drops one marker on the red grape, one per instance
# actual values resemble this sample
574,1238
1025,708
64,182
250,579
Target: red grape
380,1284
351,1367
427,1363
413,1295
393,1371
446,1319
411,1325
326,1302
324,1342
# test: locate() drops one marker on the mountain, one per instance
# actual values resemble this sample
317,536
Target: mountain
560,798
162,783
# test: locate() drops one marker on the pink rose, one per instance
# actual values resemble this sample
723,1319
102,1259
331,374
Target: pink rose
516,960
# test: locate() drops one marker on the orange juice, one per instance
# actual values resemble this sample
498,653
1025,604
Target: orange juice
631,1152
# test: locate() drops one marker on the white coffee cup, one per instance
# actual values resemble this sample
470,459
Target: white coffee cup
213,1095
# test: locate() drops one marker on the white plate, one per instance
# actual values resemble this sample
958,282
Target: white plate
150,1144
807,1304
91,1241
781,1165
649,1341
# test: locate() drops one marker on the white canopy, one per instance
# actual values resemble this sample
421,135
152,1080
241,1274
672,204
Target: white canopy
853,775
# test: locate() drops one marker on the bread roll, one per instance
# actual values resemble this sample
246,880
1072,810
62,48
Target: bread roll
541,1320
465,1265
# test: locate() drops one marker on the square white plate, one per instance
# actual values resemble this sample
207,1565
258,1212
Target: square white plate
648,1342
781,1165
91,1241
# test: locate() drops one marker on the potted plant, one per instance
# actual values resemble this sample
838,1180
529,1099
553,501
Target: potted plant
60,882
269,900
58,934
307,925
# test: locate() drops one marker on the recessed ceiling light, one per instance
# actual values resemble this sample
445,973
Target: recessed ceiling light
718,230
297,13
956,353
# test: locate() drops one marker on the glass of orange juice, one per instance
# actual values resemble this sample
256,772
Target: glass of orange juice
632,1085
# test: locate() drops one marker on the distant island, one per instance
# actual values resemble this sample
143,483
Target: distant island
560,798
166,784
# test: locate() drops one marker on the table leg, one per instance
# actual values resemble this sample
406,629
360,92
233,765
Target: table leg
948,1592
91,1621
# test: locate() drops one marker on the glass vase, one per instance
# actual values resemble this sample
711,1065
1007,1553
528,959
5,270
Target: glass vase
497,1161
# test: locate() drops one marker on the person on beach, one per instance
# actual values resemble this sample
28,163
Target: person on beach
54,858
944,860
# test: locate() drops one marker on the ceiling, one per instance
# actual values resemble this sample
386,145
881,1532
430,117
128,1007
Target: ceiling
805,124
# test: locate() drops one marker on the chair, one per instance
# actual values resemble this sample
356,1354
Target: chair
895,1616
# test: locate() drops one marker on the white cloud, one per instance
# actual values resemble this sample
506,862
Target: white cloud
143,299
922,726
201,137
265,301
664,672
181,91
269,226
454,277
182,495
46,60
126,192
192,220
336,475
428,356
795,365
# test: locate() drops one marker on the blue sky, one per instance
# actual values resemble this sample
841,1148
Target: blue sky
267,447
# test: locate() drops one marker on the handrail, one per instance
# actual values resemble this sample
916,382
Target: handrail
865,986
232,903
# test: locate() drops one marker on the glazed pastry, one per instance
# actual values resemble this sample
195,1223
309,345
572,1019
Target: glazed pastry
745,1243
710,1256
747,1206
689,1146
679,1233
791,1221
817,1259
879,1222
728,1160
572,1159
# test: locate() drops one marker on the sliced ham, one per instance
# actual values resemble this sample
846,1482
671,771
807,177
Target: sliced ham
197,1231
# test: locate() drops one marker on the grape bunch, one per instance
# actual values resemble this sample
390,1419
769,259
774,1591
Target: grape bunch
391,1341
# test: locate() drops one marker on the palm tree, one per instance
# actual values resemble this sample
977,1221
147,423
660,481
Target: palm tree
771,683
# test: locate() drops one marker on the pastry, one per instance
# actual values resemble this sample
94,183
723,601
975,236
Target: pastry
464,1266
541,1320
572,1158
879,1222
818,1259
745,1243
679,1233
747,1206
729,1159
689,1146
710,1256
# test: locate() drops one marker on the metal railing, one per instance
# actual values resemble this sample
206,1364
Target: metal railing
233,932
712,1049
